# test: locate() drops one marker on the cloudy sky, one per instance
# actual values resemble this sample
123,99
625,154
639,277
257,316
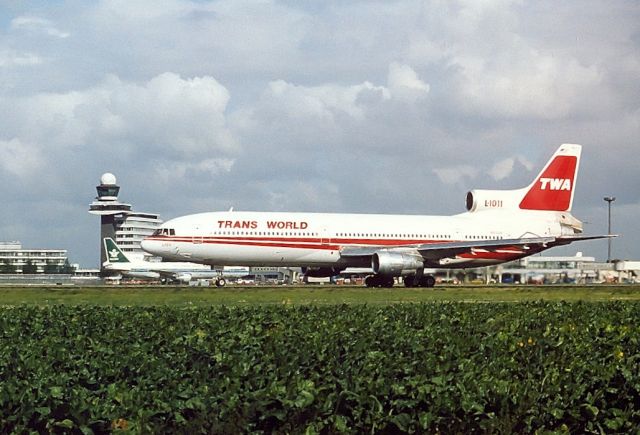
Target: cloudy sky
356,106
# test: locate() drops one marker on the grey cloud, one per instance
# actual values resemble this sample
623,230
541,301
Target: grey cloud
37,24
173,115
19,159
14,59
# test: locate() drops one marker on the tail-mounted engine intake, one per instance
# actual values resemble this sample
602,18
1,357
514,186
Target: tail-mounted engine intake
478,200
395,263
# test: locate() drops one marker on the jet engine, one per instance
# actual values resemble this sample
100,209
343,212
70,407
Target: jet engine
183,277
396,263
320,272
478,200
143,275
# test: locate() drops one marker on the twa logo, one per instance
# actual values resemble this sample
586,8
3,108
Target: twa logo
553,189
555,184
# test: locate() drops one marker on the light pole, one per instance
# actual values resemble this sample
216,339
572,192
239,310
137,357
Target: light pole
609,199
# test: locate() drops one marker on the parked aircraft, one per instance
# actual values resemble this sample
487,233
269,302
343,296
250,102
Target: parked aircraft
498,226
184,272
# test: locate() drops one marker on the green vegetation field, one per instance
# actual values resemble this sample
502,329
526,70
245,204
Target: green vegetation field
319,360
327,294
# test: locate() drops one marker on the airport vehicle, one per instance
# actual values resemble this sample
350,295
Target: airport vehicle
184,272
498,226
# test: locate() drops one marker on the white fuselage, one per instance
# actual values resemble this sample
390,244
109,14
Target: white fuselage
316,239
157,269
150,266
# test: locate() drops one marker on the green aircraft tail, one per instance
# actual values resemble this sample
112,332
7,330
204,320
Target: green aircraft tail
114,254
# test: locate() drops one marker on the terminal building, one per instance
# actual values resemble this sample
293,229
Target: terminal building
14,259
578,269
544,269
119,222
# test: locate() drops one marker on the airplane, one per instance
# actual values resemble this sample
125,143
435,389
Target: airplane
498,226
184,272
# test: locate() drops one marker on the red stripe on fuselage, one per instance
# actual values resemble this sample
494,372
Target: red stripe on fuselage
288,242
315,242
513,252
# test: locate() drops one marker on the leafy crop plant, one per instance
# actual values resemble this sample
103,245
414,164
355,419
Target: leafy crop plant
412,368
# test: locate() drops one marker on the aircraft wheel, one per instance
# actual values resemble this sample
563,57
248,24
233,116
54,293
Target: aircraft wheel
379,281
410,281
427,281
220,282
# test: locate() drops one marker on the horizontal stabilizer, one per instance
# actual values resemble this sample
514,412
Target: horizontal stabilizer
565,240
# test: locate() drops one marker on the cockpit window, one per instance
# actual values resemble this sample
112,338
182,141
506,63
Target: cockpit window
164,232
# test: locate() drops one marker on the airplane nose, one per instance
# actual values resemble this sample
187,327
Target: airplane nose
147,245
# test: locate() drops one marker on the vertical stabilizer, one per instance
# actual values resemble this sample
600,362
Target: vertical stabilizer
114,253
554,187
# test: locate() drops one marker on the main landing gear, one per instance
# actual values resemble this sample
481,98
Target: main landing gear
409,281
220,282
423,281
379,281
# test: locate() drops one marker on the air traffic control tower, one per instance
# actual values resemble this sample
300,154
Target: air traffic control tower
119,222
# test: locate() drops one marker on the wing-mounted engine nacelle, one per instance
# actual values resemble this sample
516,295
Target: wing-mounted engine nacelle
183,277
396,263
144,275
478,200
321,272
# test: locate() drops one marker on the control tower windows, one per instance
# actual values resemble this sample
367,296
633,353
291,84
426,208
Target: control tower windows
108,190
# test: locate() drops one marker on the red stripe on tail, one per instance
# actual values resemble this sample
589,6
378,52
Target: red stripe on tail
553,188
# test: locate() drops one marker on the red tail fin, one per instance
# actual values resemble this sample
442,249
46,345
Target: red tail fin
554,187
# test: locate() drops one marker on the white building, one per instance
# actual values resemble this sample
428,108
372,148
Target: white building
540,269
16,260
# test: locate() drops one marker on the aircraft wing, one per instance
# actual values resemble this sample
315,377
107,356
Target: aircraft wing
436,251
444,249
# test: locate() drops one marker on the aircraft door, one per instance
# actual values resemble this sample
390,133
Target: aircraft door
197,240
457,234
325,237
